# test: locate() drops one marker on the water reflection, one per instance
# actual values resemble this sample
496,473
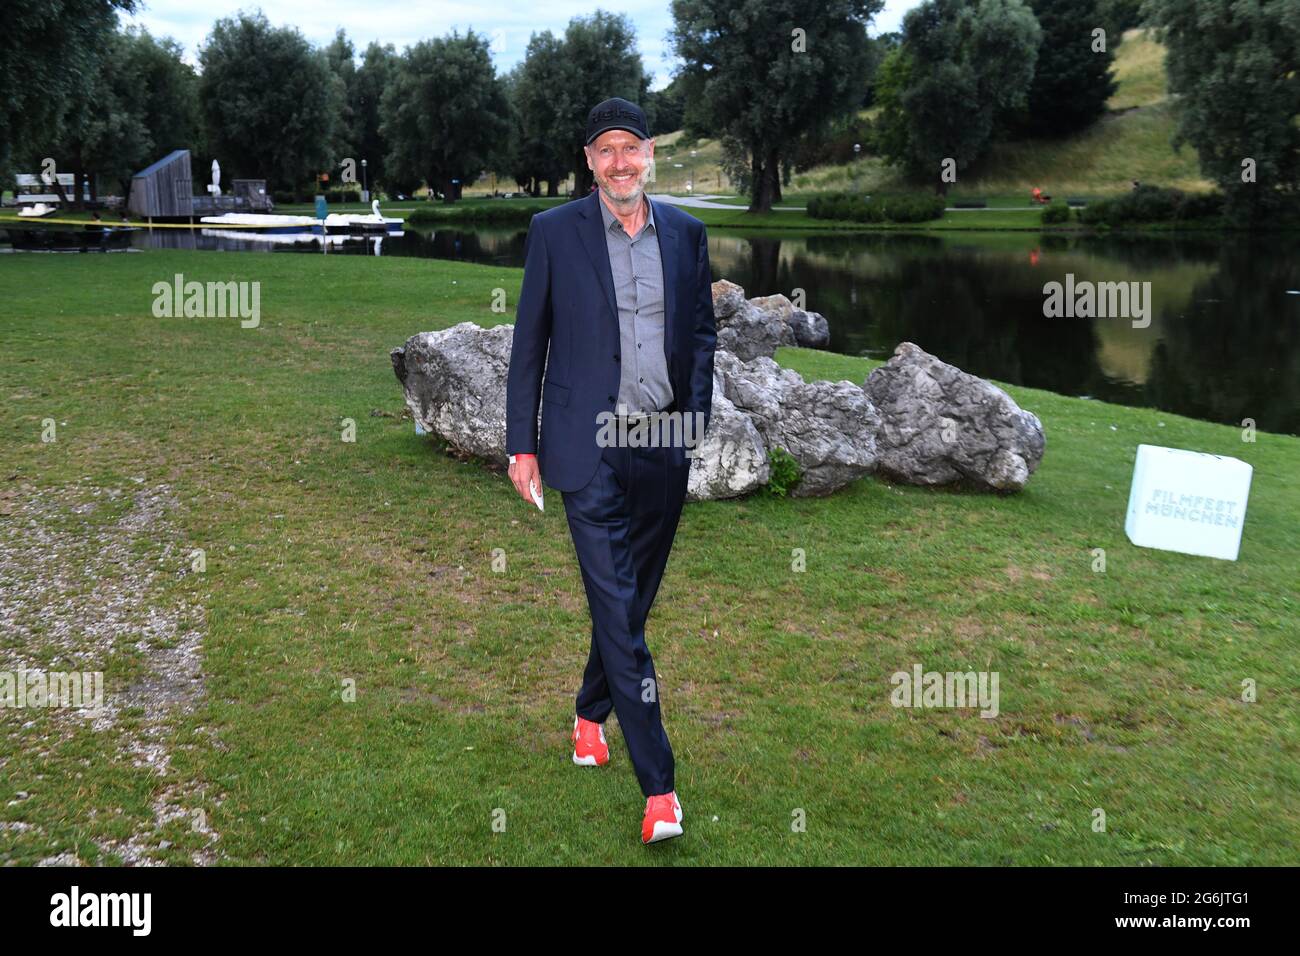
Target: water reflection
1223,342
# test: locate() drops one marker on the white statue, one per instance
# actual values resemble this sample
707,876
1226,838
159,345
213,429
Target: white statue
215,188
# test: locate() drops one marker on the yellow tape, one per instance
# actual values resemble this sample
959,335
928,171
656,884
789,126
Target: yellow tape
139,225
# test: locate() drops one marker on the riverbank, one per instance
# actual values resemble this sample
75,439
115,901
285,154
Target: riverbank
368,563
998,213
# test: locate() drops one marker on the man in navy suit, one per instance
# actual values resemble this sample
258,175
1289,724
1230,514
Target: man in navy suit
615,330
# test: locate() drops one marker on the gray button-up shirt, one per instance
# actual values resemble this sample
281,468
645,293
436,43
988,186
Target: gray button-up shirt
639,290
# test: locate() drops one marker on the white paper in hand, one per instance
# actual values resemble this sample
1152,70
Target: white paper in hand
537,495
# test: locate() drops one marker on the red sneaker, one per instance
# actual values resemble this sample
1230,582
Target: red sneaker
589,747
663,818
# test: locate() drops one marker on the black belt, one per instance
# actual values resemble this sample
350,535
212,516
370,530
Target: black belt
637,416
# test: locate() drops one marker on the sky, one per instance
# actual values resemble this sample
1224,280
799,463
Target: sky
403,22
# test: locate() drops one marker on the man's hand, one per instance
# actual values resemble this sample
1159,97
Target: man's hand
523,471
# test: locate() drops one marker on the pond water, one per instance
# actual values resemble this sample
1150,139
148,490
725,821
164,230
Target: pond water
1220,340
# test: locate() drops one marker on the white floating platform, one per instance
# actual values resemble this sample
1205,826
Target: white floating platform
372,221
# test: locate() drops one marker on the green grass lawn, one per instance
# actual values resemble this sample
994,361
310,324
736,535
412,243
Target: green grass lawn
372,561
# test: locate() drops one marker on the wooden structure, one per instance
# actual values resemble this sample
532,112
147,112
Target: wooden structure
163,189
253,192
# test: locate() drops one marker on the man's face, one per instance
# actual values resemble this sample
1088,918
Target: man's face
621,164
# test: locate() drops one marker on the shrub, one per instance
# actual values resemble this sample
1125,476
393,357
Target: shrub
1201,206
785,472
903,207
495,212
1057,212
1152,204
913,207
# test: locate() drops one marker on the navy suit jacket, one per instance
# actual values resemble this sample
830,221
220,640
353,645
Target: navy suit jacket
567,303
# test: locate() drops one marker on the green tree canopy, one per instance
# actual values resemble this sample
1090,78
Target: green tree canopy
766,73
1072,76
543,114
374,75
49,57
340,55
602,61
1236,66
445,115
966,64
269,101
139,102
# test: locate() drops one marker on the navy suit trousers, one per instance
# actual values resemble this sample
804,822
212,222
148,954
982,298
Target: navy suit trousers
623,523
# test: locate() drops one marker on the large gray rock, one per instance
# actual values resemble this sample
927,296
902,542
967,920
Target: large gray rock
750,332
943,425
940,425
455,385
828,427
811,329
727,299
807,329
732,459
759,326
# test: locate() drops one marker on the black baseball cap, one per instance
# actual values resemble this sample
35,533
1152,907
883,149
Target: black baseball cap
616,113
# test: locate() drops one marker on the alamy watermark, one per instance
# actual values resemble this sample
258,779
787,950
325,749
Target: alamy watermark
650,430
37,688
1098,300
951,689
211,300
75,908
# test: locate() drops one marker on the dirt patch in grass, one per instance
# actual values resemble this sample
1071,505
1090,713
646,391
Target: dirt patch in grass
83,575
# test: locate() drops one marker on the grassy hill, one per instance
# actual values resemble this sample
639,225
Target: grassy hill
1130,142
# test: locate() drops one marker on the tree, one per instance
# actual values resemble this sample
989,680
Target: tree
967,64
269,101
1072,79
1118,16
49,57
340,55
445,116
168,93
139,102
1236,67
543,115
601,61
664,109
877,49
767,73
891,132
376,73
101,130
